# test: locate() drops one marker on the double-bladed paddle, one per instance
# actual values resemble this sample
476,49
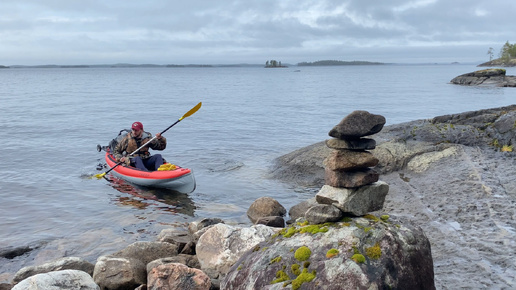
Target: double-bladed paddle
188,114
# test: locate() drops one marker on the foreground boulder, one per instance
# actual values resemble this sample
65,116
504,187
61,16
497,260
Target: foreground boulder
177,276
69,263
127,269
359,253
59,280
222,245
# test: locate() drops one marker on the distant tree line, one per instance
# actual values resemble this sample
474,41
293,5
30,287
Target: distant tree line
507,52
337,62
273,63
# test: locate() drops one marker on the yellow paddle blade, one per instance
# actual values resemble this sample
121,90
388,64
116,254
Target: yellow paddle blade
192,111
100,175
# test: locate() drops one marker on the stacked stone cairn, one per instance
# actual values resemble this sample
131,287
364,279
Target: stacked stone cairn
352,186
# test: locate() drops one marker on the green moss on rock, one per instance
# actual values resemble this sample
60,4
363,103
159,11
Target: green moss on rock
374,252
359,258
275,260
303,278
385,217
332,253
281,276
303,253
295,268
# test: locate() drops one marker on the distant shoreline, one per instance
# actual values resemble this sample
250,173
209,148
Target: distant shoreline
301,64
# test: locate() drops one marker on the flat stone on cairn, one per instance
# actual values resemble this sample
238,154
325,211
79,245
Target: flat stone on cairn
351,183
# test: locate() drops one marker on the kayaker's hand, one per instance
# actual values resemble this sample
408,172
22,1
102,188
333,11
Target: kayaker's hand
125,160
158,136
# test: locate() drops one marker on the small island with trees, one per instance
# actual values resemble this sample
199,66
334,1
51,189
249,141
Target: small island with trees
507,56
274,64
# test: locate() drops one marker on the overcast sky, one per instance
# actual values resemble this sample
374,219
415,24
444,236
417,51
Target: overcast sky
252,31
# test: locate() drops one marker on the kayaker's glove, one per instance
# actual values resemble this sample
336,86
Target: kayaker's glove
126,161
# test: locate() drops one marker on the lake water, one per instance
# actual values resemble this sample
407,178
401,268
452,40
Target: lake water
52,120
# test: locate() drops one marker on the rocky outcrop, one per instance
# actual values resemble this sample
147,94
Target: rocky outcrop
491,77
454,176
500,62
359,253
399,144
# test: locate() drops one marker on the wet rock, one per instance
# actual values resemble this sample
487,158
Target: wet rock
264,207
58,280
357,201
194,227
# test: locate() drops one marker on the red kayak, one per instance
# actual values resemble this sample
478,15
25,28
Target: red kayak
179,179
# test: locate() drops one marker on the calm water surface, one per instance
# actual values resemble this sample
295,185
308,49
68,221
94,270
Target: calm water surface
52,120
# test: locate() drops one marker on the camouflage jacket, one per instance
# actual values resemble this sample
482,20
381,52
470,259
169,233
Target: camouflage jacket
129,144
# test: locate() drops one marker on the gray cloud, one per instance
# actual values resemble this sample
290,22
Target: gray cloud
197,31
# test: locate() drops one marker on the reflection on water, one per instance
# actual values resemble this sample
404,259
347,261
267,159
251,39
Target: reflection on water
141,197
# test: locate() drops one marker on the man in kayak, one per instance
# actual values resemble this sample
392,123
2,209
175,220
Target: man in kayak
142,159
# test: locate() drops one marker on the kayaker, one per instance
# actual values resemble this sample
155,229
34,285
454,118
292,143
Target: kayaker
142,159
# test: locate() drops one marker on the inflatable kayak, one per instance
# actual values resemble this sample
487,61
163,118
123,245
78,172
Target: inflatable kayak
174,177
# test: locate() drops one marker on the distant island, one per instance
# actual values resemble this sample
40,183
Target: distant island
337,62
274,64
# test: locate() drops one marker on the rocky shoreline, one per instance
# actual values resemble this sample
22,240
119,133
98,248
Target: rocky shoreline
451,189
452,175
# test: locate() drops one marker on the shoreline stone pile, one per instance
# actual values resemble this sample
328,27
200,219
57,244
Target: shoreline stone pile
352,185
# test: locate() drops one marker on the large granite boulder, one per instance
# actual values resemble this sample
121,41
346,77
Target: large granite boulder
69,263
58,280
222,245
358,253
